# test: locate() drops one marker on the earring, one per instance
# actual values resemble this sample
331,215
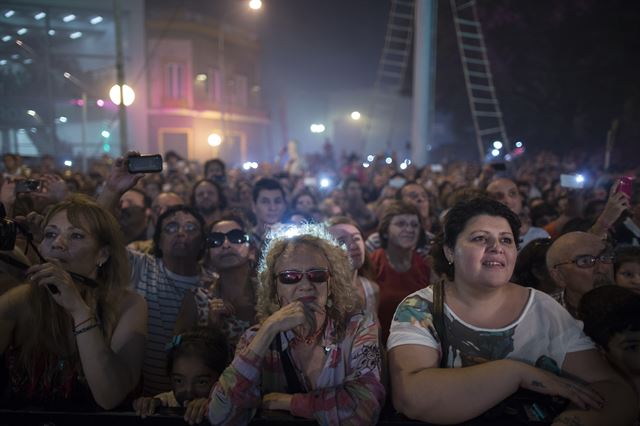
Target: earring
450,262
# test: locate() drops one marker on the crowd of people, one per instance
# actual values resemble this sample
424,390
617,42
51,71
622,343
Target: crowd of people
328,291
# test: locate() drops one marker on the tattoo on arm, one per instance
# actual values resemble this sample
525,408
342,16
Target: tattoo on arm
537,384
570,421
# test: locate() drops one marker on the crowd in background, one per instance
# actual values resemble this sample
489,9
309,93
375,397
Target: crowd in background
187,287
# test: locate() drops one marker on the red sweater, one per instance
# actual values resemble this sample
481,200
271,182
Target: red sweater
395,286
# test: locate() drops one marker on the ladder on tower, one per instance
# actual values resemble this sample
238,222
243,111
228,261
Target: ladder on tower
391,71
485,109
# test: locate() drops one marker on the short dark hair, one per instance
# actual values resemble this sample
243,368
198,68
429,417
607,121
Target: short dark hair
396,208
455,221
266,184
626,254
206,343
302,193
222,199
157,232
531,258
146,200
609,310
213,161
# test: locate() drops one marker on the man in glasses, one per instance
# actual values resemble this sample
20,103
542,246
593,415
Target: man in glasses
164,275
579,262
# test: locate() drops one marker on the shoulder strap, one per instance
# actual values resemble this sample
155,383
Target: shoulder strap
293,384
438,319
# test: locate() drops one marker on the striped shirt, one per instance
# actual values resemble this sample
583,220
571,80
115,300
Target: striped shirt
163,291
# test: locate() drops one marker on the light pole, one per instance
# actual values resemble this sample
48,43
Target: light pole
83,88
253,5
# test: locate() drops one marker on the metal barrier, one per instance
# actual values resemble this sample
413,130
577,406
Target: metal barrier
173,417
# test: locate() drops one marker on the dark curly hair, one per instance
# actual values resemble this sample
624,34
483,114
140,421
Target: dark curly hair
222,199
456,220
609,310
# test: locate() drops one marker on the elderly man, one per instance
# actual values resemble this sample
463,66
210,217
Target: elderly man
579,262
506,191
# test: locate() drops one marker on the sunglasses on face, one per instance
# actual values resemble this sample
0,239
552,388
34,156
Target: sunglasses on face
589,261
235,236
173,227
316,276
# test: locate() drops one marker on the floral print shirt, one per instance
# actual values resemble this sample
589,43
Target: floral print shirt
348,390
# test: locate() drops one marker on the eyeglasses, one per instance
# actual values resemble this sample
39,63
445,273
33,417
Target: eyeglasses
235,236
173,227
588,261
316,276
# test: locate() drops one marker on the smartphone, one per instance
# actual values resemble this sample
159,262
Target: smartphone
145,164
310,181
437,168
28,185
572,181
626,185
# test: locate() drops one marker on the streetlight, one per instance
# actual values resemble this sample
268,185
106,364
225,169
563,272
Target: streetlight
255,4
129,94
214,139
355,115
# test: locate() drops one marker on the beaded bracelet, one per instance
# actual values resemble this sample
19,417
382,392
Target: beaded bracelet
87,328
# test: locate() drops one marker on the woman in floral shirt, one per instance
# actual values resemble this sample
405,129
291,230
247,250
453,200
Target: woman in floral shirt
310,355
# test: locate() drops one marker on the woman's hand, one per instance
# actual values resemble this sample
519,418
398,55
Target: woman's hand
146,406
195,410
60,285
34,223
543,382
54,189
294,315
277,401
617,203
219,308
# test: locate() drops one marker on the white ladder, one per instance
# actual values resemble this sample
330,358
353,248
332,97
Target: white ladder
391,71
485,109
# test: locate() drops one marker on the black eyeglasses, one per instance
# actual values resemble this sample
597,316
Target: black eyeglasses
316,276
235,236
588,261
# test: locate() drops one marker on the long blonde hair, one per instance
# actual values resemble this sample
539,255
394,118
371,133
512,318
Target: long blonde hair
49,322
342,295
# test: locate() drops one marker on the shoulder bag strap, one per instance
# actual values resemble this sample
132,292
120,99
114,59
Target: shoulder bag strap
438,319
293,384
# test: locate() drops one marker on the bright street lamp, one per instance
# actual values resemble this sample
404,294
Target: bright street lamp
317,128
355,115
129,94
255,4
214,139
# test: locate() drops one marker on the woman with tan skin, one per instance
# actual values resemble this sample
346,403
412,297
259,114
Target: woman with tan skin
347,233
309,355
493,335
66,342
228,304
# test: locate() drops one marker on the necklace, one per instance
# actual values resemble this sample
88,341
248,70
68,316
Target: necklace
310,338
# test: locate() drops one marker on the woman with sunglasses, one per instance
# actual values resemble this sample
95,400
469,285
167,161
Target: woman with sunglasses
308,356
229,302
460,347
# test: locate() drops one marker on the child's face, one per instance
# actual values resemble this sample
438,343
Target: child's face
628,275
191,379
624,352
